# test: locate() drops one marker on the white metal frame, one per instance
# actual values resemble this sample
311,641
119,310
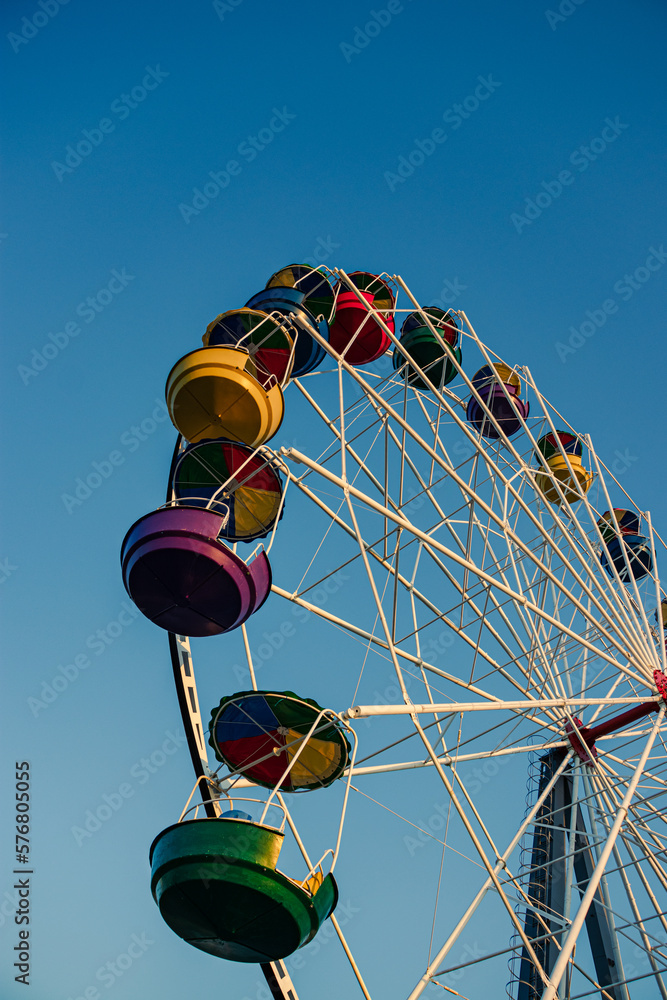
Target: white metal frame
546,625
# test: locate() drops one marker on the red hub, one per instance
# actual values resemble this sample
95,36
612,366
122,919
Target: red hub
661,683
582,738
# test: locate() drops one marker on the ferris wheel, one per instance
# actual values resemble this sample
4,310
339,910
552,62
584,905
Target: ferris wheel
488,596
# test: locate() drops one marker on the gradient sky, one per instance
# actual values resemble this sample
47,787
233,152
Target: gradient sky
503,158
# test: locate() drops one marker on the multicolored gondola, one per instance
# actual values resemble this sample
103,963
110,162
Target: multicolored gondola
265,339
318,293
290,303
230,478
618,520
258,734
624,548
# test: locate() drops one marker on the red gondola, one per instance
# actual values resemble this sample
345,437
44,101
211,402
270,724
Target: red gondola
355,332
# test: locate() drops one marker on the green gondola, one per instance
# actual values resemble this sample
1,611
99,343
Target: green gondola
217,887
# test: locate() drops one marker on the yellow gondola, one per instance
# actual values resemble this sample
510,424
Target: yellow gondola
214,392
559,468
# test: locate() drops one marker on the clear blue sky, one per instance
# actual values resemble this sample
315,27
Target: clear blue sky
513,158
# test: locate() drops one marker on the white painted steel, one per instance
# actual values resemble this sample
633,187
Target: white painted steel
539,634
366,711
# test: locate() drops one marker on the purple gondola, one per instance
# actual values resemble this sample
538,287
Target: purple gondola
506,413
184,579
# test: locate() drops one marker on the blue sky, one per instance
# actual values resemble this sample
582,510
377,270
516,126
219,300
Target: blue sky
503,159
